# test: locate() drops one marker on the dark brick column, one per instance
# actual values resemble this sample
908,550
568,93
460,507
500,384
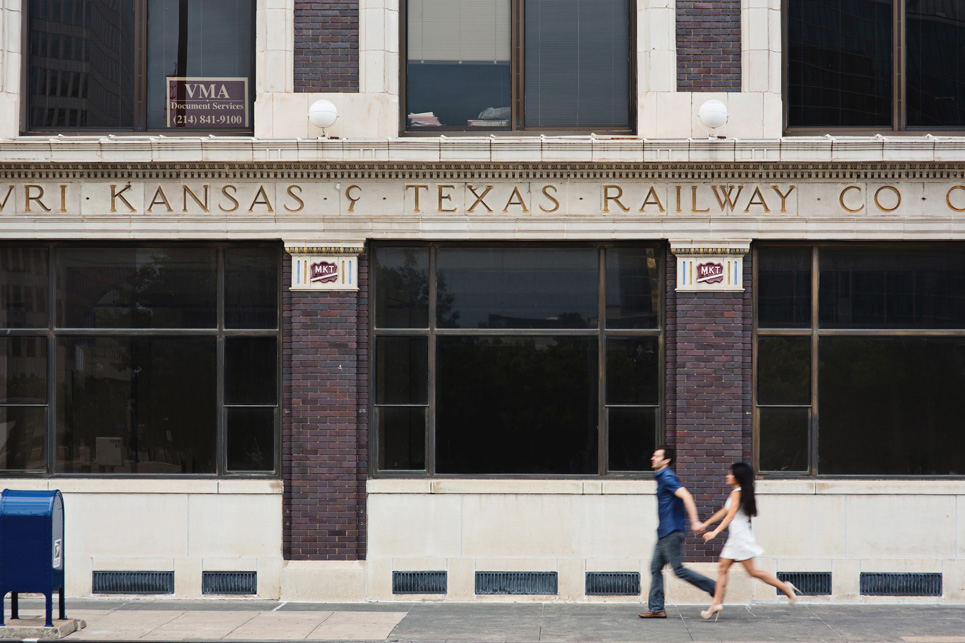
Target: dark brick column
708,392
325,428
326,46
709,46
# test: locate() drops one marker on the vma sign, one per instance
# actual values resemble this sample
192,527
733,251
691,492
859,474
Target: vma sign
207,103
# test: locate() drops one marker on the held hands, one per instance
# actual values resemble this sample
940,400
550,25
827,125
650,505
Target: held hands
698,528
708,536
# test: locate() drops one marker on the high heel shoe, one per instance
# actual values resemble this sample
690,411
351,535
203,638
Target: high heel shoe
795,592
713,610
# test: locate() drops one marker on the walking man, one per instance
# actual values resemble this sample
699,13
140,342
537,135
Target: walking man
672,499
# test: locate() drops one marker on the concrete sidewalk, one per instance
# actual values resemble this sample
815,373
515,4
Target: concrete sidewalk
246,620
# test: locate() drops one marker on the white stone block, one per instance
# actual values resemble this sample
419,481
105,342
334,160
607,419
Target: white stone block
953,580
927,525
758,71
461,579
378,573
269,577
414,525
187,577
674,116
290,116
224,523
662,75
128,525
336,581
9,115
571,580
784,526
277,81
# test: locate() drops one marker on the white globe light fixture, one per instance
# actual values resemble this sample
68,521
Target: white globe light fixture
322,114
712,114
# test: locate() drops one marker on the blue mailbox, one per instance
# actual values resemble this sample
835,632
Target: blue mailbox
31,547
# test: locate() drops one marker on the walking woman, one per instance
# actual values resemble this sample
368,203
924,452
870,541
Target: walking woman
736,514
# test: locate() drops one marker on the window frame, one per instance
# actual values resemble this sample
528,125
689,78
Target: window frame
517,85
52,333
814,333
139,116
600,332
899,103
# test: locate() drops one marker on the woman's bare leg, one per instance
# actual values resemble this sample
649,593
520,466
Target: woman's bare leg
722,570
761,575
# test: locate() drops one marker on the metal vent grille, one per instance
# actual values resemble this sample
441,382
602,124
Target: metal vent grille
133,583
543,583
229,583
881,584
612,583
419,583
810,583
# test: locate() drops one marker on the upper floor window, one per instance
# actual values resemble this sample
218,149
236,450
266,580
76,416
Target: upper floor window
515,65
139,65
881,64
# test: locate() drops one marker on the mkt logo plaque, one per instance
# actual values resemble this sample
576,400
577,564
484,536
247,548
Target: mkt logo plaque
710,273
324,272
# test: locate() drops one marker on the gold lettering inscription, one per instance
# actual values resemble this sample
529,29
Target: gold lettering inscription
164,200
693,200
6,196
416,188
263,201
291,193
120,195
656,200
354,200
224,191
444,197
516,199
185,191
27,197
841,198
607,198
783,196
757,199
948,198
556,204
479,198
897,194
724,196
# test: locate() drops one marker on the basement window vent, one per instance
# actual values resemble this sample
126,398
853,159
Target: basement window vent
542,583
882,584
612,583
229,583
133,583
419,583
810,583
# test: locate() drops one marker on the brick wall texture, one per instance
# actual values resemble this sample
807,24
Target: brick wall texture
325,430
708,393
326,46
709,46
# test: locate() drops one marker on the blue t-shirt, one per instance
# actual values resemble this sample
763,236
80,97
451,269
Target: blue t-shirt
670,508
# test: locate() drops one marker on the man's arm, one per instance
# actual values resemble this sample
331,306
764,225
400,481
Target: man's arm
691,507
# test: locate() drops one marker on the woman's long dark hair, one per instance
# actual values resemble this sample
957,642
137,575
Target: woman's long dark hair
744,474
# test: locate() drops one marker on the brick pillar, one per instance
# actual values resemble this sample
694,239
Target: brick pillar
708,392
325,428
709,46
326,45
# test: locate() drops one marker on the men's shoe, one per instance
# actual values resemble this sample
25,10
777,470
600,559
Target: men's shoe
653,615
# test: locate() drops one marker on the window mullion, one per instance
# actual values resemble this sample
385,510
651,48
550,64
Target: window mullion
899,115
140,65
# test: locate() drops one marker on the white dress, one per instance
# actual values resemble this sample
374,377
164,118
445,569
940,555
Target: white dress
740,543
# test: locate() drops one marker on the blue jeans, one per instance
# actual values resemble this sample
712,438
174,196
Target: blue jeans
669,550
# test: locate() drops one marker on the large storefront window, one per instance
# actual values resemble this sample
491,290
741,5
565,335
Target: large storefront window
517,360
140,65
861,360
897,64
139,360
508,64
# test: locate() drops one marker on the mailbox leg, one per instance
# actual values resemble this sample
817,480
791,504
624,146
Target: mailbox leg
14,605
2,599
49,605
63,611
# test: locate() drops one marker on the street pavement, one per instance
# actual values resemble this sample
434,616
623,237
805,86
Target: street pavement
490,622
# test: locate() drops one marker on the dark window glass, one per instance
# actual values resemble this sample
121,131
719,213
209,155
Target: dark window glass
632,438
23,370
136,405
250,435
840,63
783,370
402,294
401,370
23,287
402,438
632,288
784,288
23,437
137,288
81,72
458,72
935,62
577,53
517,405
632,370
251,370
251,288
784,439
892,288
891,405
517,288
211,39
